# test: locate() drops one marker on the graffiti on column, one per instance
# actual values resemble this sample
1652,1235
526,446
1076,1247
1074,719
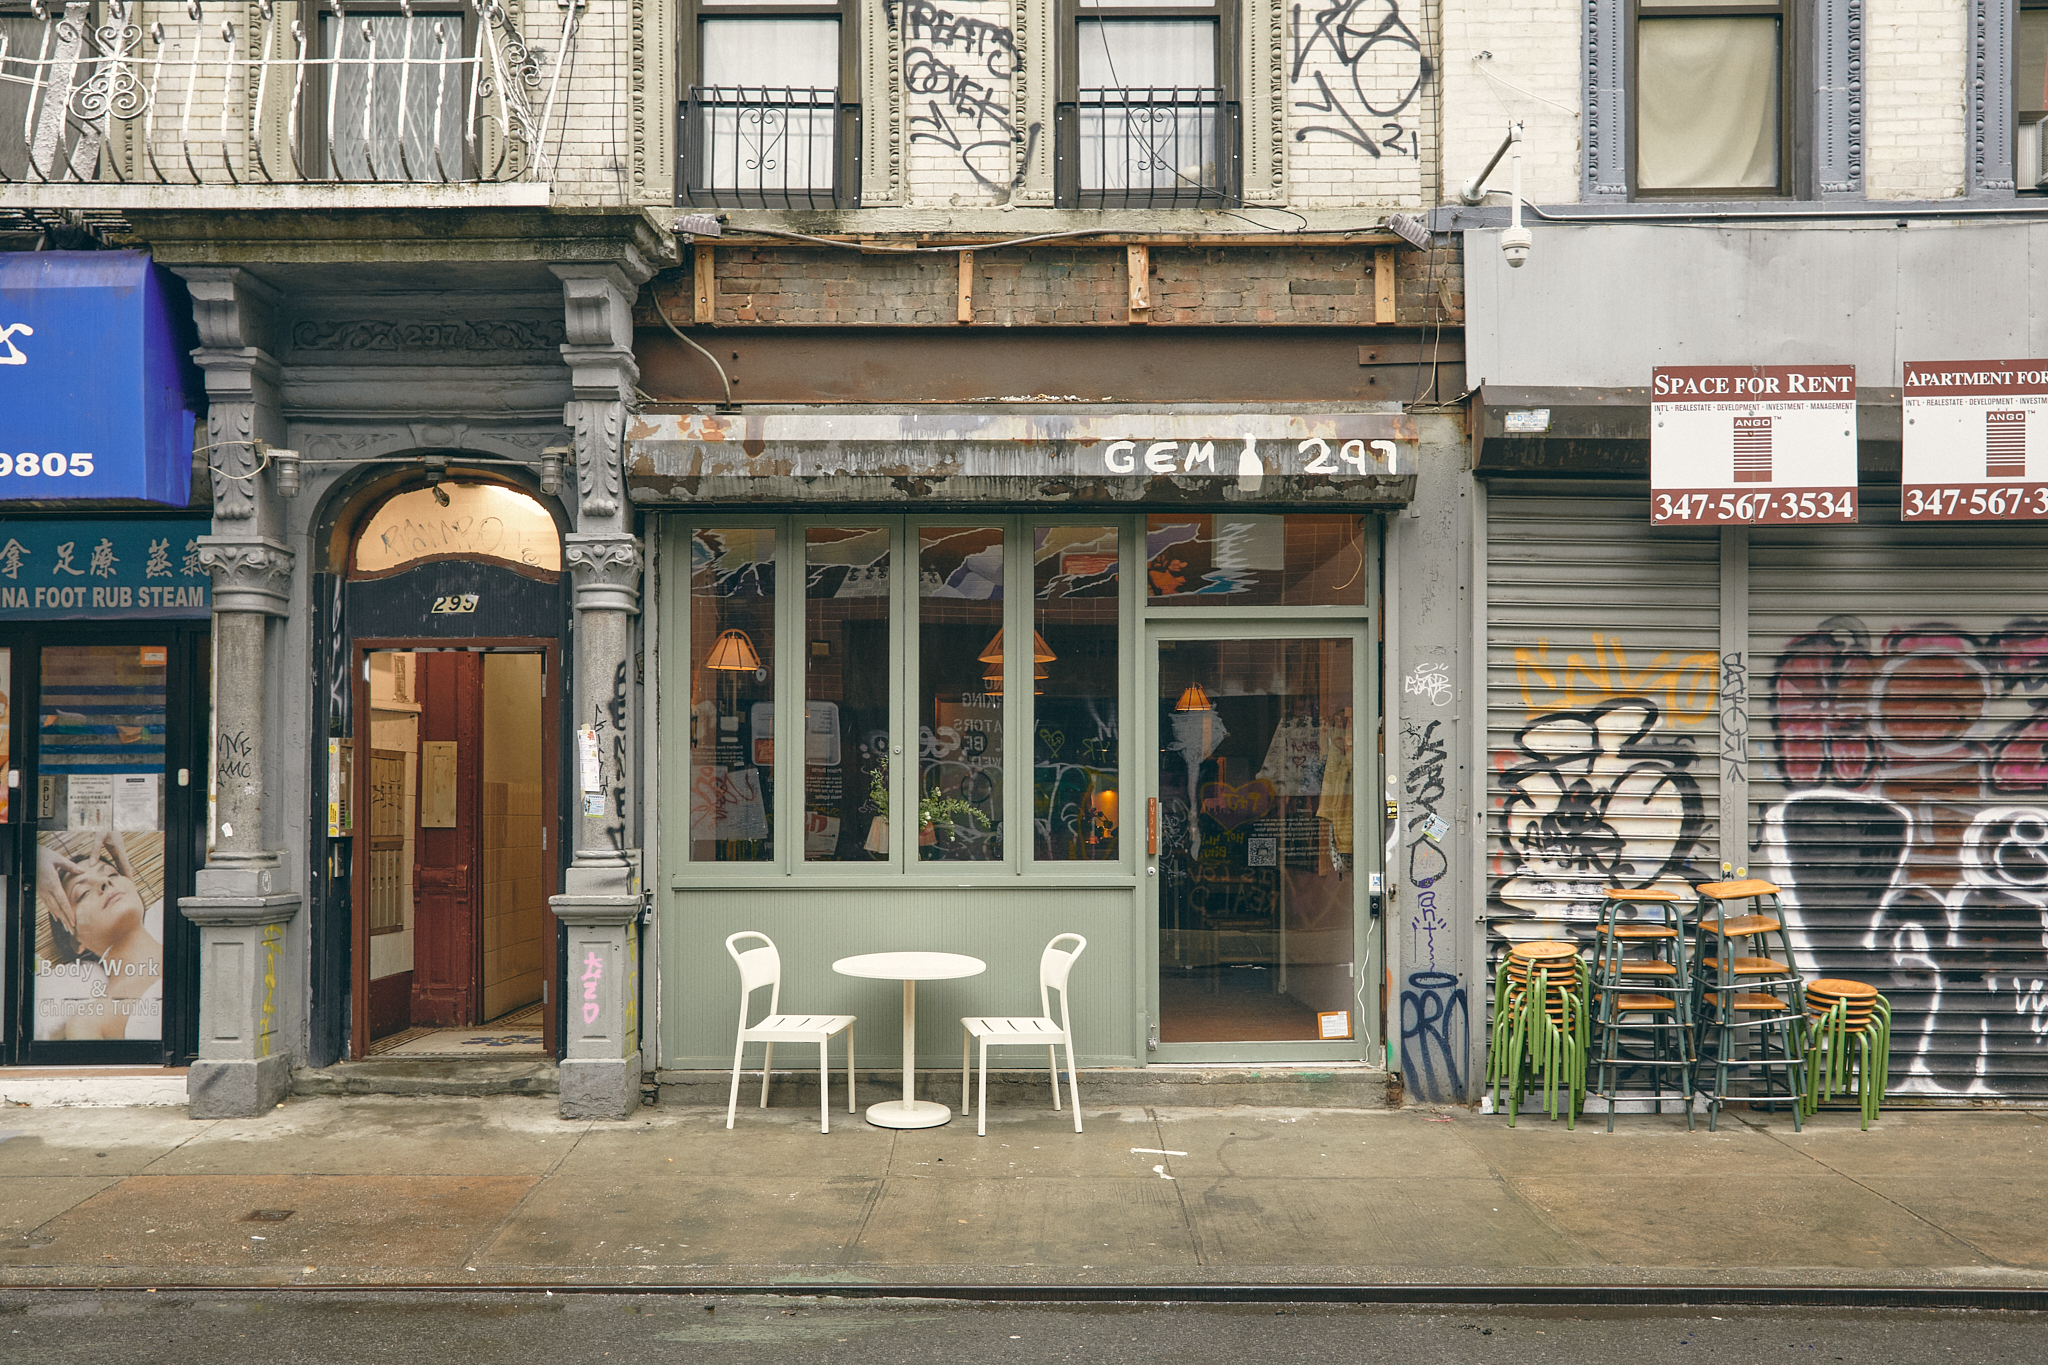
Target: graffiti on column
1357,63
1912,837
1600,784
1436,1015
960,68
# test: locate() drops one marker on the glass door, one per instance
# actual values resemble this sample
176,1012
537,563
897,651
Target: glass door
1255,835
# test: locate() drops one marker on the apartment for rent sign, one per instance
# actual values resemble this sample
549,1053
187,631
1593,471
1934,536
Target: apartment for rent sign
1752,444
1975,448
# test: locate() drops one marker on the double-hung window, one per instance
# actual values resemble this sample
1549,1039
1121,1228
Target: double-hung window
392,96
2030,96
770,113
1148,116
1709,87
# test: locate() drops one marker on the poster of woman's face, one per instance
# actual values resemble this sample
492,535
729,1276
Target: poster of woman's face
99,934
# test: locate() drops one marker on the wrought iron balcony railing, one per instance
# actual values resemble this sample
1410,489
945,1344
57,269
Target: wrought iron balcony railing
752,146
1158,147
434,96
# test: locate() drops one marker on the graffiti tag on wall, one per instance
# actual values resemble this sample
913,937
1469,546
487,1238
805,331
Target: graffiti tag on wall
1359,67
1912,840
958,69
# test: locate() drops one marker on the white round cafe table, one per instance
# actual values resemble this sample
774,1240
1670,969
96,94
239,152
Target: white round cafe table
909,968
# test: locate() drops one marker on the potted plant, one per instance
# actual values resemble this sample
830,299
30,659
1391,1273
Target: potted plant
932,807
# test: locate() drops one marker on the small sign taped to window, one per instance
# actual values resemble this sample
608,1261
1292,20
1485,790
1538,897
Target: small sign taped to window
1333,1024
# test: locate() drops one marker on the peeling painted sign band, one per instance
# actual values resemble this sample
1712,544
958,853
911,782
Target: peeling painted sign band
1370,453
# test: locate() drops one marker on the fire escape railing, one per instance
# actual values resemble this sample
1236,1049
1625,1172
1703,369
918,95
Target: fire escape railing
436,97
1150,147
752,146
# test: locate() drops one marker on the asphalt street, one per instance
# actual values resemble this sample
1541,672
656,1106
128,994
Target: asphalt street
401,1328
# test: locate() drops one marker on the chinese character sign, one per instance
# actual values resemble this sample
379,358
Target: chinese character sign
100,569
1975,445
1752,444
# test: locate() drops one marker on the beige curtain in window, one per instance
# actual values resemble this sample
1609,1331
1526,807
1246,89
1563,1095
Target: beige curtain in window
1707,103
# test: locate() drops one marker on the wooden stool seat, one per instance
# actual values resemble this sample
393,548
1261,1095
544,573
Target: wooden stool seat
1646,967
1833,989
1736,891
1635,1004
1641,931
1542,949
1736,926
1648,893
1756,1002
1748,966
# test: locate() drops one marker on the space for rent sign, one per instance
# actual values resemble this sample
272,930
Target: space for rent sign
1752,444
1975,444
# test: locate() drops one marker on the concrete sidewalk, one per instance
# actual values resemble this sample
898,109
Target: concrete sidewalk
500,1191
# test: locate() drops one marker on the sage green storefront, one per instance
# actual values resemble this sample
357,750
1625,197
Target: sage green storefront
969,725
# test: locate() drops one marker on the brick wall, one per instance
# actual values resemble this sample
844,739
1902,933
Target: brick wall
1065,286
1913,74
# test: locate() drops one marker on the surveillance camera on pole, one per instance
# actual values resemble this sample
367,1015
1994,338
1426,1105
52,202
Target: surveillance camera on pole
1516,241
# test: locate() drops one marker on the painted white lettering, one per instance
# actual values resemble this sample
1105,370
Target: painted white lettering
1117,459
1159,456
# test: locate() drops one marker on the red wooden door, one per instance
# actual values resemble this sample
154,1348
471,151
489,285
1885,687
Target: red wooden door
448,863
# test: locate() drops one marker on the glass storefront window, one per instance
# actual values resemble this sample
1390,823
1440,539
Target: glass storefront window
846,694
1232,559
1075,784
960,693
732,695
99,916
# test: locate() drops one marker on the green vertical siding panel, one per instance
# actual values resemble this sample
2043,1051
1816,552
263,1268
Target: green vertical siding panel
1006,927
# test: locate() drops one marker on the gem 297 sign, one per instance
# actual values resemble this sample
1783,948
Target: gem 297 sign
1752,444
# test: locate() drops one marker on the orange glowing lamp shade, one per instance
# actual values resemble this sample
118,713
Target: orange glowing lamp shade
1041,652
1194,699
1105,801
733,652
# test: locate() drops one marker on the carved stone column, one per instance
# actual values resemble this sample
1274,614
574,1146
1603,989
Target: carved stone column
600,904
245,899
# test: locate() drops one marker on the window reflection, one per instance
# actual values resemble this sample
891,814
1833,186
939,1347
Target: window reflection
960,693
1232,559
732,695
1075,793
846,691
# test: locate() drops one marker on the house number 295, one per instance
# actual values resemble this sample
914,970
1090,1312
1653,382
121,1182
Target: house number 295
455,603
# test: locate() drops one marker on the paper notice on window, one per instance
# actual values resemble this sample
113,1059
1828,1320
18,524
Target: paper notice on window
137,801
89,802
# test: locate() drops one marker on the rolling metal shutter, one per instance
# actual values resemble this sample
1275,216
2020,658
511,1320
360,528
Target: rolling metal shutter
1602,679
1899,780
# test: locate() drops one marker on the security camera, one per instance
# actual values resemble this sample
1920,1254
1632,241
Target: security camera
1515,243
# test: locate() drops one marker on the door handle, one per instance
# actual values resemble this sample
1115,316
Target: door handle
1151,826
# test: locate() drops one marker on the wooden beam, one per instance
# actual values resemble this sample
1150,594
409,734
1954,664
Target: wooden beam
966,287
1138,269
703,278
1383,285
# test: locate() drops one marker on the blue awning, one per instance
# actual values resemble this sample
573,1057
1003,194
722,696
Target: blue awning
93,380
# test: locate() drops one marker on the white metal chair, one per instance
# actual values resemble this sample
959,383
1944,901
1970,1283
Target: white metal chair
1053,965
760,967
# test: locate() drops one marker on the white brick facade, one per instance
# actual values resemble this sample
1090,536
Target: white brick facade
1914,98
1533,74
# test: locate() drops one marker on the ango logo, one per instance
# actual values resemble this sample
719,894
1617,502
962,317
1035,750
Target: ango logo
14,355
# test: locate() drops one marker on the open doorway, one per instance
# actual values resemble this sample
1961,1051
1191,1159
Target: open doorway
454,867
